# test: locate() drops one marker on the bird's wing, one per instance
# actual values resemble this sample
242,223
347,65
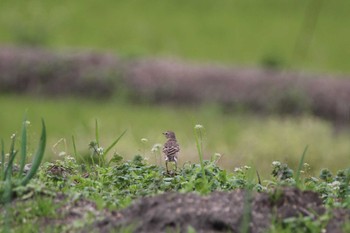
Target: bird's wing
171,148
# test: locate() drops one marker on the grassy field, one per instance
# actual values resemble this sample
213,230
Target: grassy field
235,32
239,32
241,139
68,196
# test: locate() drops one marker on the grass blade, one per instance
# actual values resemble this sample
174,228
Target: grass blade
198,137
258,175
23,146
74,147
2,160
96,133
247,211
76,155
7,194
115,142
11,158
37,157
301,162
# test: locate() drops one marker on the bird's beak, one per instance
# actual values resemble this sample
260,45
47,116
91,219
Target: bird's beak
164,133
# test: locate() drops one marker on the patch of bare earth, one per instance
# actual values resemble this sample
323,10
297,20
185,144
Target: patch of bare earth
71,210
218,212
88,74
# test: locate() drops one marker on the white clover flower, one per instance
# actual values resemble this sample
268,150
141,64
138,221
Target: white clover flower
335,185
198,127
156,147
100,150
276,163
144,140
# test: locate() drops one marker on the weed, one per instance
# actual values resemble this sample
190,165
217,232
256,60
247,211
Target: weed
198,134
9,179
98,153
116,184
282,173
301,162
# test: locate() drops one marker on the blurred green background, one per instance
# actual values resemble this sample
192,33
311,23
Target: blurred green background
275,33
242,32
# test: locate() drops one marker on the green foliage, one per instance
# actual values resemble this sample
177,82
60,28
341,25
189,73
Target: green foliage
232,33
301,162
240,138
98,153
11,177
334,190
282,172
37,158
198,134
126,180
306,224
116,184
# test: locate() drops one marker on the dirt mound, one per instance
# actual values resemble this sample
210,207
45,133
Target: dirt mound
42,72
256,89
219,212
38,71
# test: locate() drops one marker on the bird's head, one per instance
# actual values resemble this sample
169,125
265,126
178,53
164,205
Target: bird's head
169,134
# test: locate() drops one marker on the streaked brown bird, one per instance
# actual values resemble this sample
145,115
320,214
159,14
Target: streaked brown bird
171,149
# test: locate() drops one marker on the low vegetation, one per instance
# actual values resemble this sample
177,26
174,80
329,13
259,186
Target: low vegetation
96,190
240,138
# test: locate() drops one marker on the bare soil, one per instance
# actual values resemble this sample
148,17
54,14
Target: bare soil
219,212
179,212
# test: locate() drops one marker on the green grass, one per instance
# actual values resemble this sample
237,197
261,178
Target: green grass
246,32
241,139
62,184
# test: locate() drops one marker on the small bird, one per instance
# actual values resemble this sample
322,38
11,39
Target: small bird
171,149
